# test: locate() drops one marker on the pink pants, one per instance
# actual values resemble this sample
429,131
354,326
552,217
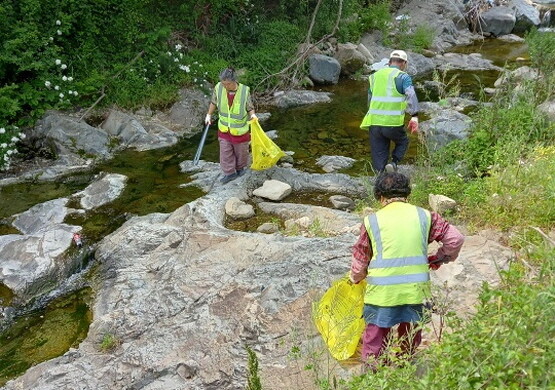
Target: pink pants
375,339
233,157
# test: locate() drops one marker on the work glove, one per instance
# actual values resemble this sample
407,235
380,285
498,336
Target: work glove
433,266
435,263
413,125
254,117
208,119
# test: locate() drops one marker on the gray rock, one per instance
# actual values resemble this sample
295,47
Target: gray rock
66,135
189,112
294,98
268,228
324,69
474,61
342,202
350,58
447,126
102,191
335,163
498,20
273,190
441,203
527,16
548,108
237,209
132,133
43,214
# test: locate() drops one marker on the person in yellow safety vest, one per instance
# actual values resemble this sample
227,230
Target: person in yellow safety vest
235,108
391,253
390,94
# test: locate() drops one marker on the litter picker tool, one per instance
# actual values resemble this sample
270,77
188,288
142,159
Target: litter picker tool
201,145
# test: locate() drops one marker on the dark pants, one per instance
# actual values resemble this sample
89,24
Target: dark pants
380,141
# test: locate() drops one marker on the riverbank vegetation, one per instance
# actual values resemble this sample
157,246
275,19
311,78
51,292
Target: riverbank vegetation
71,55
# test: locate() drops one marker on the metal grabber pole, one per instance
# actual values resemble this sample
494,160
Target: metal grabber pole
201,145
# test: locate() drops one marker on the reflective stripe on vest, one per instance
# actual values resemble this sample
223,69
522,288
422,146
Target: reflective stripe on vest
387,106
398,272
234,118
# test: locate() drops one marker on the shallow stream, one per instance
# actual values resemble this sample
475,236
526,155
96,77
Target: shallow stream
153,186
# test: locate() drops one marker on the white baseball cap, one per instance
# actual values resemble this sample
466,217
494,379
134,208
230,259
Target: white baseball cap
400,54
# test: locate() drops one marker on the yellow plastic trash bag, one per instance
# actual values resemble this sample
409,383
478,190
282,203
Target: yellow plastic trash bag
265,153
338,317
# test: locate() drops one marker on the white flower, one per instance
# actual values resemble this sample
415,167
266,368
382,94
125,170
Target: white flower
75,93
169,53
6,157
2,130
56,87
47,84
178,47
58,23
58,62
176,59
185,68
70,78
14,139
70,92
51,39
4,145
180,55
22,136
9,152
59,32
61,95
64,78
63,66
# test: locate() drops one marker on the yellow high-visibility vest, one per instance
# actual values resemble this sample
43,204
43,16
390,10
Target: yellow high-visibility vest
233,119
398,272
387,106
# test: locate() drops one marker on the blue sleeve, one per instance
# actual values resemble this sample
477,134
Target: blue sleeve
403,82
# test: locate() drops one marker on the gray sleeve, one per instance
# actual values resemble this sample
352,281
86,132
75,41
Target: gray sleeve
412,100
214,99
250,106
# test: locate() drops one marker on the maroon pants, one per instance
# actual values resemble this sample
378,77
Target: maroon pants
375,339
233,157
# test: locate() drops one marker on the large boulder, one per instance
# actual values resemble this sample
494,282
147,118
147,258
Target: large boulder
527,16
132,133
293,98
324,69
34,262
498,20
351,60
448,21
188,113
445,127
66,135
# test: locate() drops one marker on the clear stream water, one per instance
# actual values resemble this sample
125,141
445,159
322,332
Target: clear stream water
153,186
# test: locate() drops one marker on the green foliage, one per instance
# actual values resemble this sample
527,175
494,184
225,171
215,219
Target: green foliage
278,42
253,379
109,342
506,345
407,37
520,194
375,16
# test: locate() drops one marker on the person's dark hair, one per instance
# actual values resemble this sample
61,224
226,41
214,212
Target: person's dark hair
228,74
396,61
391,185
